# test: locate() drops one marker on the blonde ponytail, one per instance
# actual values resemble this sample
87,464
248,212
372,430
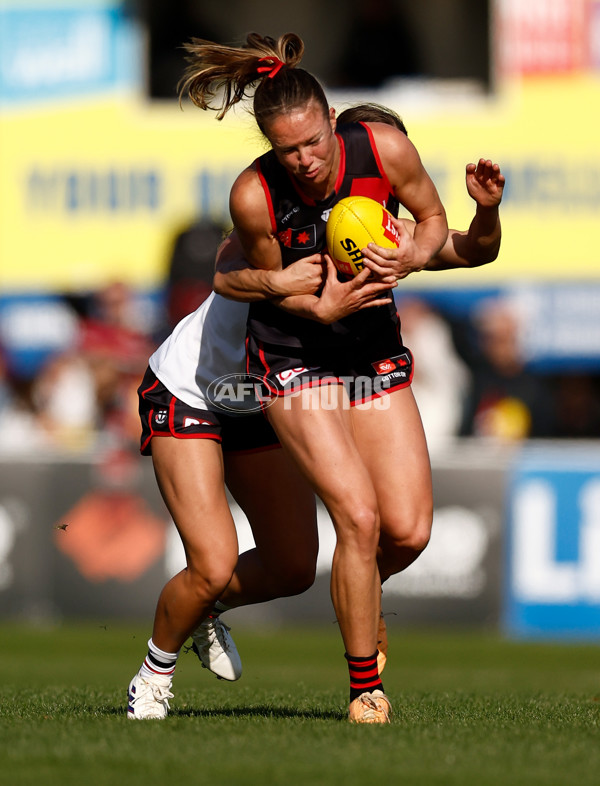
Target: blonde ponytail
213,68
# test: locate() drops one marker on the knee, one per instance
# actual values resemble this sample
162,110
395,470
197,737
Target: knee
407,539
359,527
419,536
298,579
208,583
418,540
295,576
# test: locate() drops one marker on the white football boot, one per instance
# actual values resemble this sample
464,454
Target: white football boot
148,697
216,649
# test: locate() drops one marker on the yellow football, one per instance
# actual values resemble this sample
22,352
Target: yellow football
353,223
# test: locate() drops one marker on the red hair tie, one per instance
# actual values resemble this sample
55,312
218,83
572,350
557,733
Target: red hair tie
275,65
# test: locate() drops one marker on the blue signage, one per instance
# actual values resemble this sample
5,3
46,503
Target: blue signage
67,51
553,572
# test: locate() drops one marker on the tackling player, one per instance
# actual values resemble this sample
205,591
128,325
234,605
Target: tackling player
275,567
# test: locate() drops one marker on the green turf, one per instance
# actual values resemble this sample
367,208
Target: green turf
470,709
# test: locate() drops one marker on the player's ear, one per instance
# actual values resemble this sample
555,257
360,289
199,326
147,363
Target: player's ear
332,118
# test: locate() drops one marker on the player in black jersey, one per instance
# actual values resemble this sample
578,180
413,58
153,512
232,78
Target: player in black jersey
369,465
476,246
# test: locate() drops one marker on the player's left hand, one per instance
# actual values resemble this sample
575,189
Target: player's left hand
339,299
391,264
485,182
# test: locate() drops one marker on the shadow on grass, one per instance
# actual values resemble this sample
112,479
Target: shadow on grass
258,711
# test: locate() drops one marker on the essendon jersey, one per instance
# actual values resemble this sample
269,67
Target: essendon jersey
299,223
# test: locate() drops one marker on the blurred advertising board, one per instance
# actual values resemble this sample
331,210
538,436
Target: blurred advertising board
553,553
457,579
89,542
515,544
51,51
95,192
542,36
95,541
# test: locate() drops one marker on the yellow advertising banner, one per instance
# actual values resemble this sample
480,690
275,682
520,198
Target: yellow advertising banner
91,192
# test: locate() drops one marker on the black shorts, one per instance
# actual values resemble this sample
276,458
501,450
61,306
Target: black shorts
367,369
164,415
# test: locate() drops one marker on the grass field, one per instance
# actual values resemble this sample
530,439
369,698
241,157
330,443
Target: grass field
469,709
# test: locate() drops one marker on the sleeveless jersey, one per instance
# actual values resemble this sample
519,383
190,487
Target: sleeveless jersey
299,223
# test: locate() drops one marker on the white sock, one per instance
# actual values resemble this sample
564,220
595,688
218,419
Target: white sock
158,662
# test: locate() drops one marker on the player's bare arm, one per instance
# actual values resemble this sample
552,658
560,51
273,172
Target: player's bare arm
416,191
250,215
252,223
480,244
236,279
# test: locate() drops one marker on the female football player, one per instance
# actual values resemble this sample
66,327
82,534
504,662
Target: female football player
368,463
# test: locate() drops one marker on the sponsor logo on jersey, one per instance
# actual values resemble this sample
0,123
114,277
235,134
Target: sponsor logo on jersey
392,364
160,417
384,366
188,421
286,376
292,212
325,214
302,238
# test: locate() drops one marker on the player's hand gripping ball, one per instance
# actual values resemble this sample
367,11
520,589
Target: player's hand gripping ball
353,223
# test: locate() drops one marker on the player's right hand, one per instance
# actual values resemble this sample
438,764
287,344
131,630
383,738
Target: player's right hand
304,277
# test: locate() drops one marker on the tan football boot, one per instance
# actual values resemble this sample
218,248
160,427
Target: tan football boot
370,708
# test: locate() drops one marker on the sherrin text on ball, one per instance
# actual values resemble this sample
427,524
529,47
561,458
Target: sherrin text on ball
353,223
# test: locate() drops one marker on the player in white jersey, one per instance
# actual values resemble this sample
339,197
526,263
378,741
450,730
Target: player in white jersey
211,336
196,450
209,447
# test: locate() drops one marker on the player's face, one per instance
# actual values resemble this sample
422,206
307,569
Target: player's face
305,144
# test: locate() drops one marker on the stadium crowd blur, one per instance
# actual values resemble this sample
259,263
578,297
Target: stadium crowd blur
76,391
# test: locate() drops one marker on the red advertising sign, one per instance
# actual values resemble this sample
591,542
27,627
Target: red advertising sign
542,36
